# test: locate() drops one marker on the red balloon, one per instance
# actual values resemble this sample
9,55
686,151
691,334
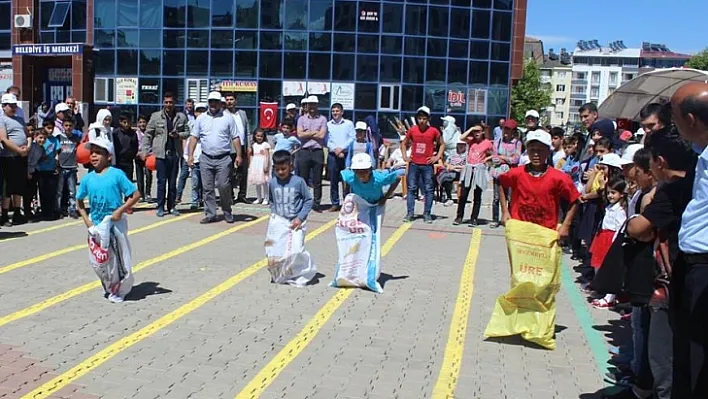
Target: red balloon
83,155
151,163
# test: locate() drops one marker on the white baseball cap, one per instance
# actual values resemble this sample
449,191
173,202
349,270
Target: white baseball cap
201,106
9,98
313,100
223,99
532,113
613,160
424,110
361,161
448,118
630,151
290,106
303,101
361,126
61,107
540,136
101,142
214,96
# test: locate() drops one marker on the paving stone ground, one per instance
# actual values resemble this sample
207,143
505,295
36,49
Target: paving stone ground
374,346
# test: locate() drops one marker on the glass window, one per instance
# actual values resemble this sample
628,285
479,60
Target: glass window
499,73
320,41
222,63
45,12
295,66
478,73
198,63
456,72
295,41
436,98
342,67
272,89
393,15
47,37
319,66
176,86
271,64
173,62
479,50
320,14
365,96
458,49
504,4
197,38
367,44
413,70
345,16
461,3
78,15
128,12
501,26
497,101
416,20
411,97
271,14
437,47
78,36
344,42
222,13
296,14
389,97
246,64
392,44
415,46
148,91
246,40
127,38
127,62
197,14
271,40
460,24
63,36
105,62
175,14
247,14
222,39
104,13
438,21
480,24
173,38
369,16
367,68
390,69
58,17
105,38
150,38
150,62
5,14
481,3
435,69
500,51
150,13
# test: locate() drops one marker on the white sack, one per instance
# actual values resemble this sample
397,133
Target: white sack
109,255
288,261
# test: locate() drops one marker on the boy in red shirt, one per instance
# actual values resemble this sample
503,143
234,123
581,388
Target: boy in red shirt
537,188
422,139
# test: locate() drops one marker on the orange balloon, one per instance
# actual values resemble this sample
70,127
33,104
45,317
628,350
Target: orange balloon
83,155
151,163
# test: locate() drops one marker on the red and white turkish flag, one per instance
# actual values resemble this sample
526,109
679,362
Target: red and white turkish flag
269,115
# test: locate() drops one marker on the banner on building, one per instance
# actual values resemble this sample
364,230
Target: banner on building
456,100
47,49
318,88
268,115
5,76
235,86
294,88
343,93
126,91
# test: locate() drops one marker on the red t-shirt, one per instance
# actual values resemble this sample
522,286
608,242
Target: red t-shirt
422,143
536,199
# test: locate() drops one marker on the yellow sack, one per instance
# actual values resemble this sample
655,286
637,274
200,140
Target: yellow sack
529,307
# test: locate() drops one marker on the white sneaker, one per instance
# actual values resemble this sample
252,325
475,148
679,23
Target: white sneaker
265,202
449,203
115,298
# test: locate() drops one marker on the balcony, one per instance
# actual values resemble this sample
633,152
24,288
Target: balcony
580,82
545,79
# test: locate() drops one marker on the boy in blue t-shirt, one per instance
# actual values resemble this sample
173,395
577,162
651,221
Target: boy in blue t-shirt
41,166
368,183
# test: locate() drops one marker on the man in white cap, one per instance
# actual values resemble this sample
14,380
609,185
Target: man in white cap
217,133
13,159
421,139
15,91
340,135
532,117
62,113
312,132
291,112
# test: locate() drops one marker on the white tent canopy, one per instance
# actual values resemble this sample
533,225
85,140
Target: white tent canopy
655,86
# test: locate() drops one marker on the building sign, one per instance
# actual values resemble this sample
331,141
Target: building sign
343,93
294,88
5,76
149,91
126,91
365,15
247,86
47,49
318,88
456,99
59,75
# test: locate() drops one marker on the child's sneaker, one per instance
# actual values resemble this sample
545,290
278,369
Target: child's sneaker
449,203
265,201
115,298
603,304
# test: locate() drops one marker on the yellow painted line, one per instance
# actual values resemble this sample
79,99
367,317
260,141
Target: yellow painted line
270,372
47,303
122,344
50,255
452,361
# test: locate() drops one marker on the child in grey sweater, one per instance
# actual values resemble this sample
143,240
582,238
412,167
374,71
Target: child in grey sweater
289,195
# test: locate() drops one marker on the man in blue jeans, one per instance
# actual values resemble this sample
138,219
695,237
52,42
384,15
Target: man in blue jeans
340,135
422,139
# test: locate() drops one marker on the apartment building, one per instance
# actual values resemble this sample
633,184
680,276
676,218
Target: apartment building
556,74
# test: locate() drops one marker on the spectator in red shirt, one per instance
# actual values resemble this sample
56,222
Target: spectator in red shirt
537,189
422,139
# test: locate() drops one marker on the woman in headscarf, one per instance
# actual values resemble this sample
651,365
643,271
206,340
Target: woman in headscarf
450,135
101,127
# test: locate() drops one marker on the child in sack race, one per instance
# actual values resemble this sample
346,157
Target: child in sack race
109,249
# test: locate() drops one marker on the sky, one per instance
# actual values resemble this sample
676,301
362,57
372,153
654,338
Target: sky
679,24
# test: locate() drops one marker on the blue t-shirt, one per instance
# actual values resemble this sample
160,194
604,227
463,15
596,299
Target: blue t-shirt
285,143
372,191
48,161
105,191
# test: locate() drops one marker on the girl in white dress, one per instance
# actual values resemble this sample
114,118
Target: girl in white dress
259,168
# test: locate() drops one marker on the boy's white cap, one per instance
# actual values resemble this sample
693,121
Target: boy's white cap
424,110
460,141
290,106
630,151
361,161
201,106
613,160
540,136
303,101
532,113
9,98
61,107
101,142
223,99
214,96
360,126
448,118
312,100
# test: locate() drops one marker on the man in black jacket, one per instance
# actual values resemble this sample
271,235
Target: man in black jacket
125,141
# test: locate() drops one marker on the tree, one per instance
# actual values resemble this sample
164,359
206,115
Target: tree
699,61
529,92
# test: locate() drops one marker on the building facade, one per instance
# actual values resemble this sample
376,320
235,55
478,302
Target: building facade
556,73
382,58
658,56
